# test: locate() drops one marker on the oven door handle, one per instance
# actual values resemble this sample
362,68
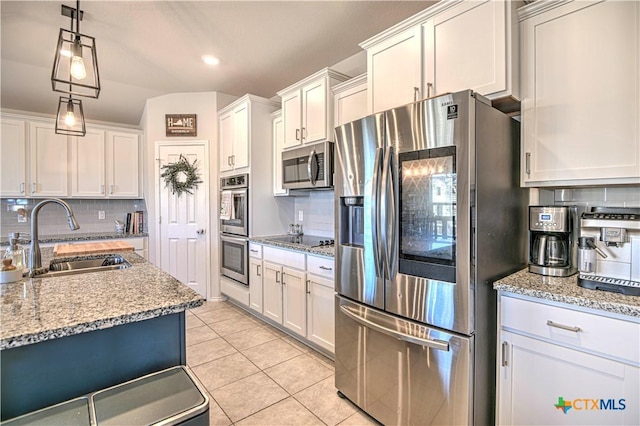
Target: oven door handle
240,240
312,167
440,345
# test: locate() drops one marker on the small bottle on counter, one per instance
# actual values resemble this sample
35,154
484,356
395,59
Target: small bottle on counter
15,252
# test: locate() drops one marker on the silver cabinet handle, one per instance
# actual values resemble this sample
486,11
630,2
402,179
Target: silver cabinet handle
303,133
228,160
22,188
432,343
33,187
416,94
258,273
200,231
282,280
326,268
527,162
277,276
564,327
111,189
429,87
102,189
297,134
505,348
308,286
233,160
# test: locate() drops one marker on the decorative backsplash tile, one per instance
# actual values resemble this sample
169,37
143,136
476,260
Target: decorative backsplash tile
52,219
317,208
619,196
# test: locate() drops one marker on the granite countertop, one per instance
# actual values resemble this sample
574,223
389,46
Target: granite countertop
74,236
328,251
566,290
38,309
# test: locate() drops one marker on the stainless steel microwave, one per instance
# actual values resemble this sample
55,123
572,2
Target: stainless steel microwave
308,167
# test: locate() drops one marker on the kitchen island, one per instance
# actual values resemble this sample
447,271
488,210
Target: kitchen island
65,336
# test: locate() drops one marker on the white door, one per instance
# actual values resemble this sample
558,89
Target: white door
183,236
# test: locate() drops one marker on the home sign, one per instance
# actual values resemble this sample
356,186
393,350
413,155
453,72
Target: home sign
181,124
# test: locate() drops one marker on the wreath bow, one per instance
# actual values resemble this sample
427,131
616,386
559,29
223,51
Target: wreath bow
181,176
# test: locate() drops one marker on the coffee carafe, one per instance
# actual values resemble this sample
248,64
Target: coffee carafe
553,236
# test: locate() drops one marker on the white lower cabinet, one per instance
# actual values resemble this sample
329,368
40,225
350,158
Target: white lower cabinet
298,296
559,365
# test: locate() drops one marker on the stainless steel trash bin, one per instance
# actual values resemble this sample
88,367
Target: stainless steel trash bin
72,412
169,397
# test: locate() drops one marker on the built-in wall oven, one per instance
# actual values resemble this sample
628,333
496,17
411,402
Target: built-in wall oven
234,226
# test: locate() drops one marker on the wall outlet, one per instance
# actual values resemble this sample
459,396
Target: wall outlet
300,215
100,214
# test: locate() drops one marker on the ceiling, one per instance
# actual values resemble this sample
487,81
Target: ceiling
151,48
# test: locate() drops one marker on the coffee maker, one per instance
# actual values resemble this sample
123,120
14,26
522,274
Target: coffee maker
553,236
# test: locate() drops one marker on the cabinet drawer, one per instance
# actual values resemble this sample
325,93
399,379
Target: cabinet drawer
322,266
255,250
613,337
292,259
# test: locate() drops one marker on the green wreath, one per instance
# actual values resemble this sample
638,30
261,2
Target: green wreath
181,176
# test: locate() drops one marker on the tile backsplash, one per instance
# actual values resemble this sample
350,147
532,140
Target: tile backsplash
317,210
52,219
622,196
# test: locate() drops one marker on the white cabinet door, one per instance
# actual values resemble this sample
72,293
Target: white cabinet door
13,158
225,122
314,111
123,165
48,161
320,312
469,47
272,291
536,379
278,146
88,165
395,71
292,118
581,94
240,156
255,284
294,300
350,100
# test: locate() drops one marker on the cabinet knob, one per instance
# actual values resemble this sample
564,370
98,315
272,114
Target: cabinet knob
200,231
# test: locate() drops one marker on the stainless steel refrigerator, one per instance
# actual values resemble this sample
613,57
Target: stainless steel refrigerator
429,213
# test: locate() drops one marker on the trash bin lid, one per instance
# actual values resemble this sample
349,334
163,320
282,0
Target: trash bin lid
73,412
168,396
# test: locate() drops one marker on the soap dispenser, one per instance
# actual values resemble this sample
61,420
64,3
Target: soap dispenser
16,252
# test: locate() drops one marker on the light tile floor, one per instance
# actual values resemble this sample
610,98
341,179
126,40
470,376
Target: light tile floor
258,375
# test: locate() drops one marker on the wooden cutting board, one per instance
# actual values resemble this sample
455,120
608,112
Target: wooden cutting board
74,249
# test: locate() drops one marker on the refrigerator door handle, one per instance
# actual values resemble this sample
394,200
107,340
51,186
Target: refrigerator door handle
388,200
375,213
440,345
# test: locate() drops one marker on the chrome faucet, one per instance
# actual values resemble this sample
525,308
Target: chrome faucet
35,257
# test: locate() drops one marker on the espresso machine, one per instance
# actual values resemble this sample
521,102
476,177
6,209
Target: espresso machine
553,238
609,252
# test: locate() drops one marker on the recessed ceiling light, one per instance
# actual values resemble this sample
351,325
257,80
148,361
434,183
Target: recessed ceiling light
210,60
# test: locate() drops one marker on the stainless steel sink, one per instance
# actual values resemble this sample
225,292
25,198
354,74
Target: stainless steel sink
94,263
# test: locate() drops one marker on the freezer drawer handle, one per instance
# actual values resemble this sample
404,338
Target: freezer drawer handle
436,344
564,327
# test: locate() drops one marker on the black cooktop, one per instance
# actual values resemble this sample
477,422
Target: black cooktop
305,240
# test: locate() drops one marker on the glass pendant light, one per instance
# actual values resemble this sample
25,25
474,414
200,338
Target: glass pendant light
70,117
75,66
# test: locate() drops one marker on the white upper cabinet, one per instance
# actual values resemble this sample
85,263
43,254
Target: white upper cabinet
278,145
87,165
448,47
473,45
307,108
240,130
48,161
580,93
394,70
350,100
234,137
123,165
13,158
